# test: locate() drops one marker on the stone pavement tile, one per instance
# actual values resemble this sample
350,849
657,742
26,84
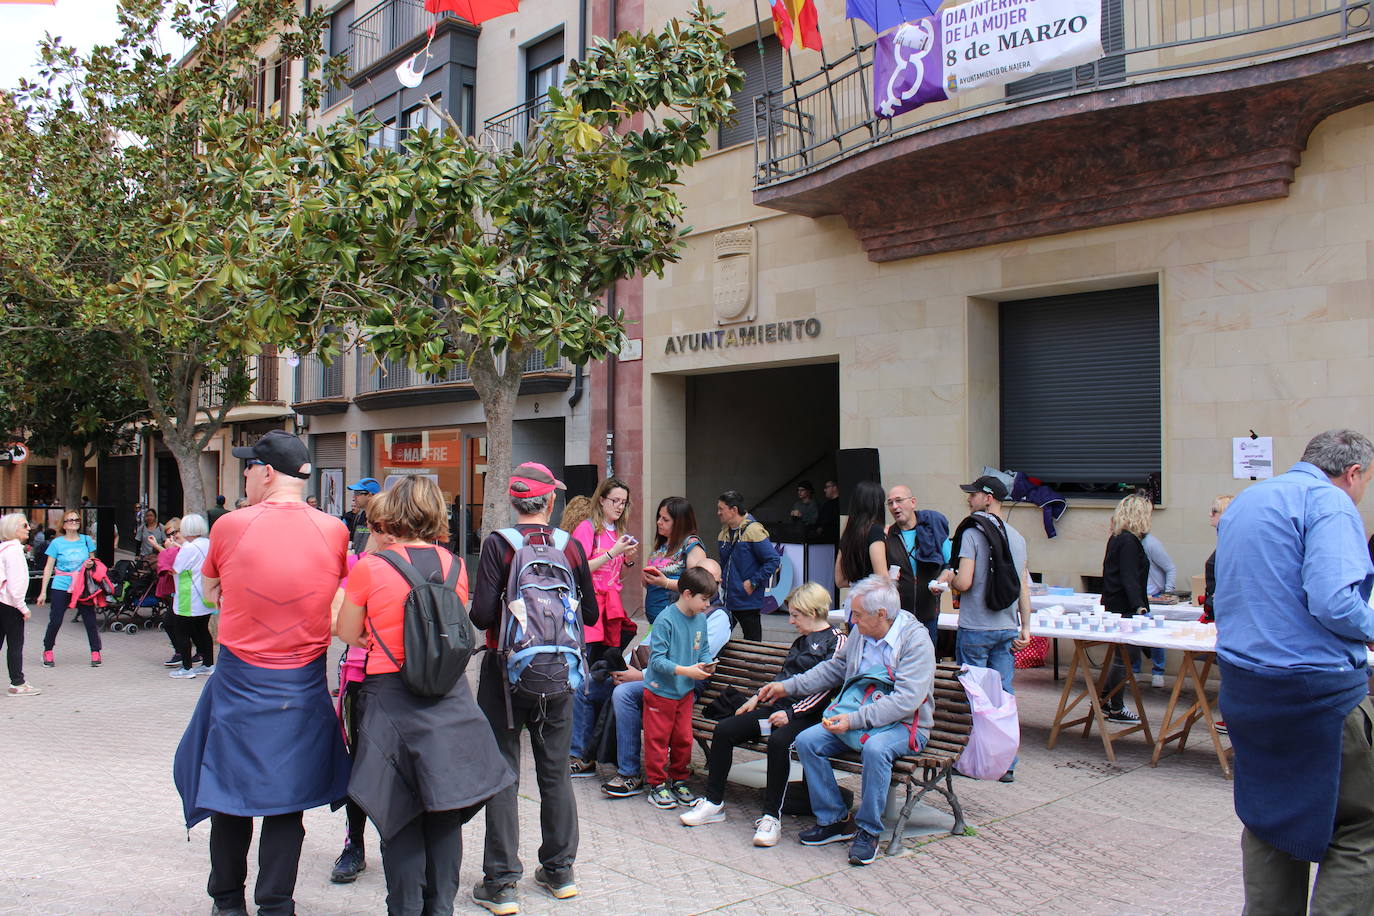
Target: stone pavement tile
787,902
889,887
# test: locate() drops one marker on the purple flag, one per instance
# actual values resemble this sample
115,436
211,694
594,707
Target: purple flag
908,68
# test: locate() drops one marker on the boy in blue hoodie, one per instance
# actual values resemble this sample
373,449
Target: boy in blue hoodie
679,654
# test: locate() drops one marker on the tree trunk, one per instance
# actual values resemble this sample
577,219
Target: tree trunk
71,475
177,420
498,388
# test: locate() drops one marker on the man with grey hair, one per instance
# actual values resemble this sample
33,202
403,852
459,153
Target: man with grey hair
531,489
893,652
1292,604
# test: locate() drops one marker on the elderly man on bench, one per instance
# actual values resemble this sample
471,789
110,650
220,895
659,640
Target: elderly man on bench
884,711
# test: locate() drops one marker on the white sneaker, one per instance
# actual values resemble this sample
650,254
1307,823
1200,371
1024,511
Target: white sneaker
768,832
703,812
185,673
206,669
1156,680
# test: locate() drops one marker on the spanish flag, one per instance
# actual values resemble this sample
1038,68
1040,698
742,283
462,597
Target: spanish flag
803,14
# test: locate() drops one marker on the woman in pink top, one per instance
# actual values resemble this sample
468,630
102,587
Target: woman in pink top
14,584
609,547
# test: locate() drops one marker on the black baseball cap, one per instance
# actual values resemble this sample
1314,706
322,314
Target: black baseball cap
986,484
281,450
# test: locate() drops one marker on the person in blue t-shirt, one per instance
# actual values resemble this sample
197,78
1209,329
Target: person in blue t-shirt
67,554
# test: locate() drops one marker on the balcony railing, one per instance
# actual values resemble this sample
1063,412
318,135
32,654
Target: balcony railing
393,375
336,94
317,382
515,125
264,388
818,119
381,30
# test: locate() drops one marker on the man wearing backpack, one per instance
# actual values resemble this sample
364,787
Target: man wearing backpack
555,599
994,587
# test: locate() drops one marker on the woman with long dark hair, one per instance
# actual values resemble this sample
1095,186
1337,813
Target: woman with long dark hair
676,548
863,545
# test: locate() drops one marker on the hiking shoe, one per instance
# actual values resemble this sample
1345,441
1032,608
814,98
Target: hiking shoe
622,786
864,849
23,690
1122,715
685,796
351,863
1008,776
821,834
661,796
182,673
95,659
703,812
580,767
769,831
557,881
48,660
1156,680
501,899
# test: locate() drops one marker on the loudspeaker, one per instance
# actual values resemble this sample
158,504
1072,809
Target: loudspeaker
856,464
581,479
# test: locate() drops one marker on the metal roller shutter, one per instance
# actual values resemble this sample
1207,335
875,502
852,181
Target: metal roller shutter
760,75
1080,385
331,449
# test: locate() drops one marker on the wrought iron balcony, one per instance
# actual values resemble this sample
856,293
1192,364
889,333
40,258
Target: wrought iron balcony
515,125
392,383
319,388
263,373
382,30
828,115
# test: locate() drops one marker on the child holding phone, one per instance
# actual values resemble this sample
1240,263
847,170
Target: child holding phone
679,654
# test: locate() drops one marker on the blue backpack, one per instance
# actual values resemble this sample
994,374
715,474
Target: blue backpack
541,640
859,691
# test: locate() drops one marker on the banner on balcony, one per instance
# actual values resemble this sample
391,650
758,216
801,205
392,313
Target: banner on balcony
983,43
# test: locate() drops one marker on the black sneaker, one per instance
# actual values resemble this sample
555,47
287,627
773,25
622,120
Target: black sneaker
1122,715
661,796
350,863
685,796
1008,776
837,832
580,767
173,662
557,881
622,786
501,899
217,910
864,849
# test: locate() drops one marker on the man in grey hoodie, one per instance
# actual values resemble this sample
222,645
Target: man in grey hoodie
891,645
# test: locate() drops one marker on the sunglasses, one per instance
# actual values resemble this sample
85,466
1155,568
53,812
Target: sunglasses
173,533
66,521
254,463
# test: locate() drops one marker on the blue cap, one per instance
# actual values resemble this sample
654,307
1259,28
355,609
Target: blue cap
366,485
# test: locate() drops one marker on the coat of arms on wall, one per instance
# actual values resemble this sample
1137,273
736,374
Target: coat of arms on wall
733,289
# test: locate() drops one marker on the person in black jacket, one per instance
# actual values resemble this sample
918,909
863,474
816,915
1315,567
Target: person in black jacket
1209,569
1125,577
808,608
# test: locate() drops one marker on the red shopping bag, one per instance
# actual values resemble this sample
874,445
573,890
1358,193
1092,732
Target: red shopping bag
1034,655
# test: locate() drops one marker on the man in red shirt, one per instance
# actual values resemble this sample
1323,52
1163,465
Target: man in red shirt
264,740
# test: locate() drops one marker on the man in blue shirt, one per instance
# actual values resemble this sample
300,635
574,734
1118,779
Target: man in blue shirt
1292,599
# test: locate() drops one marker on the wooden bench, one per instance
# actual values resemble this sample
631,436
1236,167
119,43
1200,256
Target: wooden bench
747,666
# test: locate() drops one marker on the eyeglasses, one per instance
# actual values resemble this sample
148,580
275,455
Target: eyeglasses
173,533
901,499
67,521
1215,512
615,502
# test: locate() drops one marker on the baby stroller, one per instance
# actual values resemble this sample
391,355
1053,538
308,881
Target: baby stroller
134,586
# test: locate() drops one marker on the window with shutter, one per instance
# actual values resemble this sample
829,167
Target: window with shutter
762,71
1110,69
330,450
1080,391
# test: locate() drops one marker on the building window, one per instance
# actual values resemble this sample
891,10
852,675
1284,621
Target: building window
1080,391
384,138
340,43
420,116
544,66
762,71
1110,69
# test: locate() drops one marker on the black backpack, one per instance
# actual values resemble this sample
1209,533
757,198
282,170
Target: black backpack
1003,587
439,638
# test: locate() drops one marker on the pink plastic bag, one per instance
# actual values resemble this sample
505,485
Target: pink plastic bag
996,727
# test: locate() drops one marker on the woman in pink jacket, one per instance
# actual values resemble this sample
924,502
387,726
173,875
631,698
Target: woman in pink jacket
14,585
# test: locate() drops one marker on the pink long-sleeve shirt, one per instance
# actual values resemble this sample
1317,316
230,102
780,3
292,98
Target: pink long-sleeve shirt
14,575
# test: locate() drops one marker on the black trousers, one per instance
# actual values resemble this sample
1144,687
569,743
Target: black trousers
60,602
750,623
12,636
279,853
356,816
550,727
421,863
737,730
187,630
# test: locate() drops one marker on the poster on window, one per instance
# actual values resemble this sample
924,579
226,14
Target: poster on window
331,491
978,44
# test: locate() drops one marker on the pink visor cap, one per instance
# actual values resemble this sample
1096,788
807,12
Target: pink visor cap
533,479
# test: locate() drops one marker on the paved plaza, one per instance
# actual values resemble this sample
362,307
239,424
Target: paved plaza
92,824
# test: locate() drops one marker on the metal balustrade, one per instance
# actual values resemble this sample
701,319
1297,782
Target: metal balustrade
393,374
384,28
263,370
515,125
317,382
828,115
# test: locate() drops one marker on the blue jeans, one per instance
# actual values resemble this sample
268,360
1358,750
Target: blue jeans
628,701
816,744
934,627
989,649
586,704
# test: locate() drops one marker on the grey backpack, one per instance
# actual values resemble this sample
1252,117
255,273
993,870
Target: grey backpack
541,640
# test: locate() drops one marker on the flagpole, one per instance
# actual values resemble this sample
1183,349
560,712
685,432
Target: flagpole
863,83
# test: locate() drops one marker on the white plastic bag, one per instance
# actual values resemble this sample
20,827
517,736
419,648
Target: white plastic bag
996,727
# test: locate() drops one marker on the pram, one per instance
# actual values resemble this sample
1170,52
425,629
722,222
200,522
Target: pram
134,585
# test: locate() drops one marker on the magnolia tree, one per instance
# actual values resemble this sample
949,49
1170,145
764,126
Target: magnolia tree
108,207
451,251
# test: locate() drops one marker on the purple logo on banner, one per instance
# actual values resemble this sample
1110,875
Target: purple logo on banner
908,70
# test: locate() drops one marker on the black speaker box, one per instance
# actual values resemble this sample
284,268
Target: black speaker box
856,464
581,479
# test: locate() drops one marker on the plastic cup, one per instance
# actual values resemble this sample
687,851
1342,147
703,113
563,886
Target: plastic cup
765,728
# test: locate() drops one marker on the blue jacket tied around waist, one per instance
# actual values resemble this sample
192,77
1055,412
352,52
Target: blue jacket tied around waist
262,741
